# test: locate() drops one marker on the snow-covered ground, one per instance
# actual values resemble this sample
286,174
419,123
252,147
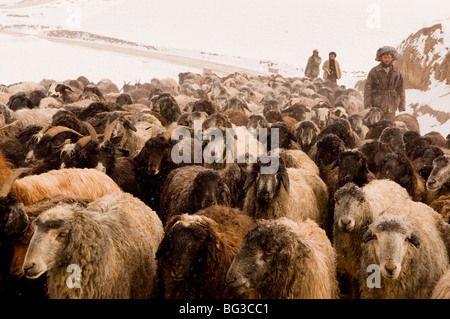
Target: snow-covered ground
251,34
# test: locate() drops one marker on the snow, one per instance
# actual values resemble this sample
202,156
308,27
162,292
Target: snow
250,34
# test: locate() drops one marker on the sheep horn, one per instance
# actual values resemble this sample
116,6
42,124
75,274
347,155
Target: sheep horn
8,126
60,129
109,130
168,134
84,141
6,187
91,130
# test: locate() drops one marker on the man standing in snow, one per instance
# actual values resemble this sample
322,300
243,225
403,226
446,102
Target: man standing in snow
331,68
313,66
384,85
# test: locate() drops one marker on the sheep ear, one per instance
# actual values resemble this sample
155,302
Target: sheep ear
292,137
226,195
414,239
127,124
284,178
164,247
368,236
211,248
17,220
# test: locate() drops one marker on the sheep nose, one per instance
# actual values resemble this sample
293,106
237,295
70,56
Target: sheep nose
390,267
27,268
345,221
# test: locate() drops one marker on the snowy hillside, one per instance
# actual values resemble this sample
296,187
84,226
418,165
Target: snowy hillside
134,40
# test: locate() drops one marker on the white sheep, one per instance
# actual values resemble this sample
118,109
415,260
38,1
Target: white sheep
442,288
406,244
112,243
355,209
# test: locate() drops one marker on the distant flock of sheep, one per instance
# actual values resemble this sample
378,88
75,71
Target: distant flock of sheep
359,206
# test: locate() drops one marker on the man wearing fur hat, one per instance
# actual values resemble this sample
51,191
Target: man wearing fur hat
313,66
384,85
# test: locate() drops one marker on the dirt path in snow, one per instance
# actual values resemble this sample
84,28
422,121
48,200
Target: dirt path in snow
25,4
218,68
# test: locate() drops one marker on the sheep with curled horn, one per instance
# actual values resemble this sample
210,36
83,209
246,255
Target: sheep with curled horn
43,147
103,155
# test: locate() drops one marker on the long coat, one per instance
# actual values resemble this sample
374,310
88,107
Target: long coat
326,66
313,66
384,91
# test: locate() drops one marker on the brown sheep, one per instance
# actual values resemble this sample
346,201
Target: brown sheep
283,259
198,249
442,206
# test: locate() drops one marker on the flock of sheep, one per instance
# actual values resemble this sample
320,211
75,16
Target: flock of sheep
93,204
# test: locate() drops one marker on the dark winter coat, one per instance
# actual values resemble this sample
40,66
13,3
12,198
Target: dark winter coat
384,90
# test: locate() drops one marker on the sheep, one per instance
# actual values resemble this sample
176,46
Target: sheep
191,188
306,133
375,152
391,139
122,267
436,138
297,111
375,129
285,139
442,288
411,122
343,129
438,183
397,167
198,249
442,206
355,209
19,101
282,259
321,116
424,164
358,126
294,193
166,105
353,167
406,243
296,159
20,241
374,115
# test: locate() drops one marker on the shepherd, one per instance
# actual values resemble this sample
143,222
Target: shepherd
384,85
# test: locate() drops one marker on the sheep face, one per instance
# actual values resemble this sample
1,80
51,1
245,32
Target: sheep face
262,261
13,219
356,121
349,205
322,116
51,235
306,133
353,167
186,245
440,174
159,150
373,116
396,168
392,241
210,189
256,122
267,186
392,139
